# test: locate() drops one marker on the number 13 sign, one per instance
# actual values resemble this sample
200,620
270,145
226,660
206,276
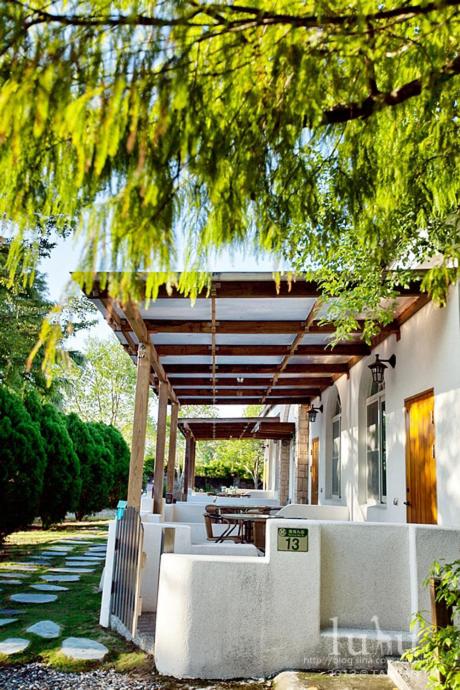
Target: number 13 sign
292,539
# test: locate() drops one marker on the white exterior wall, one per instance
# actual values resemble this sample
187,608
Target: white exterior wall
354,589
427,356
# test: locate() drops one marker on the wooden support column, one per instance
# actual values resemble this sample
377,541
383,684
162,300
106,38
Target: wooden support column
191,478
188,445
158,477
172,447
136,465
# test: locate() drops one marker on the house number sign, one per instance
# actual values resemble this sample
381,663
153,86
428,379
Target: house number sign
292,539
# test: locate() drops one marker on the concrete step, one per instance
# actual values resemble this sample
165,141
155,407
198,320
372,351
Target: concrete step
355,649
405,678
298,680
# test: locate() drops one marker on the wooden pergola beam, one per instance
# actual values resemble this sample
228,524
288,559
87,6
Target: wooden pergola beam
342,349
246,392
172,448
158,477
244,289
244,401
253,382
242,327
141,401
137,325
271,369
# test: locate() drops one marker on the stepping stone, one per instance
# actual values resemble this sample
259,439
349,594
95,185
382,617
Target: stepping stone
41,560
72,570
54,554
60,578
81,564
49,588
22,566
5,621
46,629
10,612
16,576
88,559
25,598
83,648
60,548
12,582
77,542
13,645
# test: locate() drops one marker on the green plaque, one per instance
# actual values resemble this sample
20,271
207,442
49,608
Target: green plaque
292,539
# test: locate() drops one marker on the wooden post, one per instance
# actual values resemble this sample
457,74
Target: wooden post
188,440
172,448
158,477
136,465
191,478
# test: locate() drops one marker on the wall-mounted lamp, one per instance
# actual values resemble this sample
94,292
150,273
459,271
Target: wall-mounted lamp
240,379
312,412
379,366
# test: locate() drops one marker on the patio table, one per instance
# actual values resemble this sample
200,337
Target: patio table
245,523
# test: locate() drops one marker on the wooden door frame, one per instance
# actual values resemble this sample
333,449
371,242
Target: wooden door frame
408,402
315,439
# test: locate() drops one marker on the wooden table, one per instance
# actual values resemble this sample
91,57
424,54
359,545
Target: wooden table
247,527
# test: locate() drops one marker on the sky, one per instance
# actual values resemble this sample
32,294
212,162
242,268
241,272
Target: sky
65,258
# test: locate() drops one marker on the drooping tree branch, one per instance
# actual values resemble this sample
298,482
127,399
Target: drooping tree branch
364,109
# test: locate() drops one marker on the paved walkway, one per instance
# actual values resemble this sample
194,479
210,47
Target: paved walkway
35,584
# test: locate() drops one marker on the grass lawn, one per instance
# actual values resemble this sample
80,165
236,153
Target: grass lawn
76,610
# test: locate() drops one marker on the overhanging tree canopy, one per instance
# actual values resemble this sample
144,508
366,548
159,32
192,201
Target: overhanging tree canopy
327,132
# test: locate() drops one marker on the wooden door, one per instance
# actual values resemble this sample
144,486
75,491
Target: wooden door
421,498
314,470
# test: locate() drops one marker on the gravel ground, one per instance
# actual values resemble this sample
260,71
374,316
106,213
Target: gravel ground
40,677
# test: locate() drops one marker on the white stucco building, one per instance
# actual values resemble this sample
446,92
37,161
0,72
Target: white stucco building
389,452
369,488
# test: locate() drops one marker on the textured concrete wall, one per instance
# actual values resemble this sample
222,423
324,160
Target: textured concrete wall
301,454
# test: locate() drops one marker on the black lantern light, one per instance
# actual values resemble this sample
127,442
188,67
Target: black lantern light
378,367
312,412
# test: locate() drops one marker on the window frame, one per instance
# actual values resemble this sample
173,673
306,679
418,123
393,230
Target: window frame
337,418
379,398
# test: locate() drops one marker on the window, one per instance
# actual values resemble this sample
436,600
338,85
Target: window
376,445
336,463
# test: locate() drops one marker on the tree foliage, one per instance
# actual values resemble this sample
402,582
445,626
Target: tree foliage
234,458
95,466
61,485
119,452
324,130
101,388
22,464
24,309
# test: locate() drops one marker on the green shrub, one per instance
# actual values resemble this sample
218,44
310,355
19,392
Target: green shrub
119,451
95,466
61,486
438,649
22,465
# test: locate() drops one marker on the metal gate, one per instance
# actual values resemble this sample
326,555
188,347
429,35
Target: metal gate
127,563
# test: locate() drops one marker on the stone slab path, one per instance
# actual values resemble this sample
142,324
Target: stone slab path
83,648
46,592
49,588
13,645
72,570
60,578
25,598
46,629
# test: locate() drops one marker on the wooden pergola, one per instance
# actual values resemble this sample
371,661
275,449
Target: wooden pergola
227,428
245,340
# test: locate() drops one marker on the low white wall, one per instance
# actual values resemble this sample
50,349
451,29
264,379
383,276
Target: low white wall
230,617
177,538
237,617
310,512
